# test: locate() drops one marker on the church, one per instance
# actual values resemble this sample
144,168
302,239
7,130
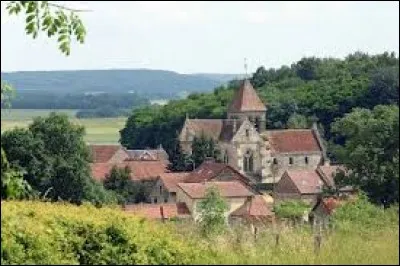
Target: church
246,144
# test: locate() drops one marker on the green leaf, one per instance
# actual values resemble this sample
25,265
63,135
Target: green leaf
30,18
62,37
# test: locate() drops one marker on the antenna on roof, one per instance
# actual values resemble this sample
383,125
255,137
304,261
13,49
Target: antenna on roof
245,68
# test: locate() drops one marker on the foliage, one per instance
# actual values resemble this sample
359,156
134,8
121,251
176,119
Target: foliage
179,160
45,233
7,94
40,16
13,186
211,211
107,111
319,89
371,151
292,209
53,155
119,181
298,121
202,148
361,212
102,104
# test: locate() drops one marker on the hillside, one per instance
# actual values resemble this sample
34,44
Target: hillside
143,81
311,89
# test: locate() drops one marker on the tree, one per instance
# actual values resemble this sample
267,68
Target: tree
40,16
203,147
54,157
212,212
178,160
384,87
13,186
370,151
119,181
297,121
291,209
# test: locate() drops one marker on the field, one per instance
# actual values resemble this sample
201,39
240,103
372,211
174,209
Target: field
59,233
98,130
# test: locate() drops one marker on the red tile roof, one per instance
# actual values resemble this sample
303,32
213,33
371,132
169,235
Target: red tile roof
103,153
246,99
141,170
327,173
209,170
306,181
156,211
211,128
256,206
293,140
228,189
171,180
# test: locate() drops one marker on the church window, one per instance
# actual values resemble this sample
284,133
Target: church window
275,161
257,124
306,160
290,160
155,200
248,162
247,132
160,189
166,199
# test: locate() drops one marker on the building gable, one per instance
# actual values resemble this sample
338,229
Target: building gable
247,133
286,185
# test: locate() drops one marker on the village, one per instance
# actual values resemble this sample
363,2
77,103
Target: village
260,168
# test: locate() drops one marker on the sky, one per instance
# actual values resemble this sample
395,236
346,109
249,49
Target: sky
205,37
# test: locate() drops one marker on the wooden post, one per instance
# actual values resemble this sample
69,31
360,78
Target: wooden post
255,233
277,238
162,214
317,240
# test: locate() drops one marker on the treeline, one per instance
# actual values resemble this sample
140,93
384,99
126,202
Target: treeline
49,100
310,90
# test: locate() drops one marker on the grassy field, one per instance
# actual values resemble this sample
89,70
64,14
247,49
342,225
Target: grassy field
59,233
98,130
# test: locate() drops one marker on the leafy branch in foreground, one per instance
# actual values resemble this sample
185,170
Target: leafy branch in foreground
41,16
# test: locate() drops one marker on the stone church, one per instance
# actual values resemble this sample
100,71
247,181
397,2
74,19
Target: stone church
246,144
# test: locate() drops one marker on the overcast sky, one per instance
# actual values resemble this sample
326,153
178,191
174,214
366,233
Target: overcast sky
212,37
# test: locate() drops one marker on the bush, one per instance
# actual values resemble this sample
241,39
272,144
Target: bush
58,233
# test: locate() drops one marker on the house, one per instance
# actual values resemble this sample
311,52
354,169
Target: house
140,170
260,154
166,187
234,193
308,184
159,211
256,212
322,211
299,184
108,153
118,154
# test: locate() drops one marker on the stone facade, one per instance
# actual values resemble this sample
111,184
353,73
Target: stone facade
262,155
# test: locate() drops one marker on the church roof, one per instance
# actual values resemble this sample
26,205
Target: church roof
293,140
246,99
217,129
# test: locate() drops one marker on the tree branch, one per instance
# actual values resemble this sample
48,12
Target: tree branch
68,8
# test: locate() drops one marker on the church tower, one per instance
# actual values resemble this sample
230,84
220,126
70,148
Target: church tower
247,104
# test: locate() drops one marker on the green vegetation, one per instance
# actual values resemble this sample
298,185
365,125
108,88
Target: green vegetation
98,130
39,233
212,210
371,151
319,89
54,159
292,209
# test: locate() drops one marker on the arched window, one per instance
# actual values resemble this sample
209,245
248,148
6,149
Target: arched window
275,161
226,158
248,163
247,132
257,124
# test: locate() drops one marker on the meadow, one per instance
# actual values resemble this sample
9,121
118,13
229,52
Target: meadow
98,130
36,232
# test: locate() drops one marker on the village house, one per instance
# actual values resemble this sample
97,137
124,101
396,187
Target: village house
307,185
260,154
234,193
166,187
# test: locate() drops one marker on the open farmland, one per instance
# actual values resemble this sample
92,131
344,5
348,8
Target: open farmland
98,130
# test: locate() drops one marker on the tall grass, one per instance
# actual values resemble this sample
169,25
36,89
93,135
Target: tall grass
35,232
